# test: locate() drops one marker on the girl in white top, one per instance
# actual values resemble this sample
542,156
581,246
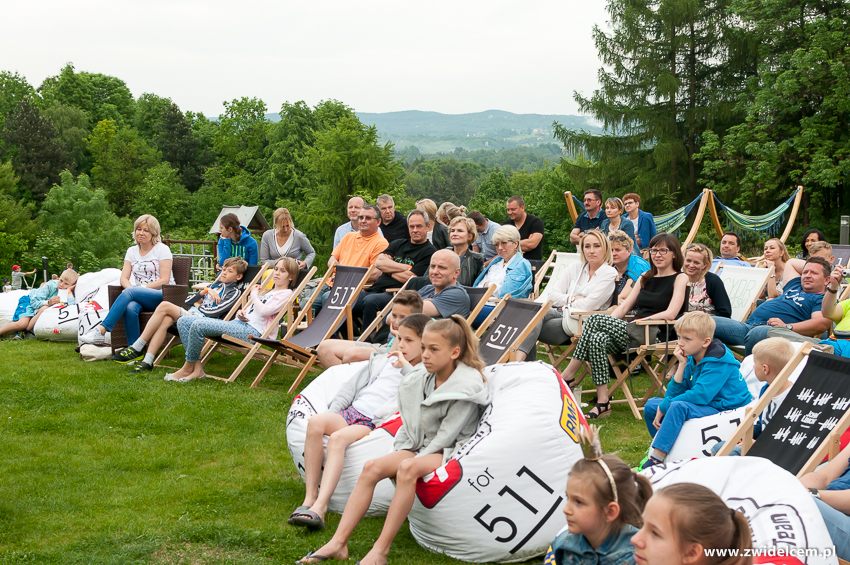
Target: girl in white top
365,400
251,321
147,267
586,286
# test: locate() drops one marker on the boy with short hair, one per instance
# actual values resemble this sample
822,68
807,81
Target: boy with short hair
18,276
214,301
338,351
707,381
37,300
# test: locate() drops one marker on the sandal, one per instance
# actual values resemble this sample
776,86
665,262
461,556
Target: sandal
309,520
570,383
603,410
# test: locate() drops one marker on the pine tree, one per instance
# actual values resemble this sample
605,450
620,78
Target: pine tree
181,147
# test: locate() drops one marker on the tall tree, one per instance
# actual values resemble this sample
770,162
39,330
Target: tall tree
100,96
241,137
71,125
37,153
13,89
181,147
149,109
673,70
17,228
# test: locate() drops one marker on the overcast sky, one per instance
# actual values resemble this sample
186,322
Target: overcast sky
375,56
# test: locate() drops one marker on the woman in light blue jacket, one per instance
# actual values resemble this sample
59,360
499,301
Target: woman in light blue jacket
508,271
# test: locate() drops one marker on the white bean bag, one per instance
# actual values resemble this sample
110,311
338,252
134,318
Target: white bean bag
64,322
699,435
781,512
501,498
314,399
9,303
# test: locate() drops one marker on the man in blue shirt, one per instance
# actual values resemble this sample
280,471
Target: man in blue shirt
591,218
797,310
486,228
730,247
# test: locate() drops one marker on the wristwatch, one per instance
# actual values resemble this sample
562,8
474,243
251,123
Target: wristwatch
789,327
815,493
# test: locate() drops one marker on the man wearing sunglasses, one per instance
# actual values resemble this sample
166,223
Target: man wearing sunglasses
591,218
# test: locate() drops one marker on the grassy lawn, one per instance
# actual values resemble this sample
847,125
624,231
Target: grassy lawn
102,467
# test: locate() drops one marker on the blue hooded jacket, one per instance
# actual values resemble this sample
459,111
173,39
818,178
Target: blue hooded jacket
246,248
716,381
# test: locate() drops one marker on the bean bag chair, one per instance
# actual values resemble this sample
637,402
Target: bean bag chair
9,303
781,512
314,399
500,498
63,322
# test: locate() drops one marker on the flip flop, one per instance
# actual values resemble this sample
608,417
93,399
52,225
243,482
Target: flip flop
299,510
312,555
308,519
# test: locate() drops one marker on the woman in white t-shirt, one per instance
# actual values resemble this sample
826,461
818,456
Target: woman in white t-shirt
253,320
147,266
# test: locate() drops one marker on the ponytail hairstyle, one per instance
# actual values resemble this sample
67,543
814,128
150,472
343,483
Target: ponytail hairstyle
457,332
291,266
612,481
700,516
415,322
230,221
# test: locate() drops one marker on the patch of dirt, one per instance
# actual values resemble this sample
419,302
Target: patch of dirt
201,554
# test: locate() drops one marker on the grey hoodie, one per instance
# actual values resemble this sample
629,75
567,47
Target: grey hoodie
441,419
364,377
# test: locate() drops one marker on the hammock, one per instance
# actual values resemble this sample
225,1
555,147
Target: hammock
670,223
760,226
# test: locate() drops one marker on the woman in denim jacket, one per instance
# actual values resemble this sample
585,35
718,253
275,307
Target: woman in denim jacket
509,271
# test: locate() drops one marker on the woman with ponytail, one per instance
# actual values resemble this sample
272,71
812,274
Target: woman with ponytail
684,520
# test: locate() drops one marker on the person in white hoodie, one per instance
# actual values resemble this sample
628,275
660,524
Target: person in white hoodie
365,401
440,406
586,286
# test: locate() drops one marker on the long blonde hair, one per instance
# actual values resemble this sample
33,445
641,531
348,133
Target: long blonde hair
458,333
603,241
291,266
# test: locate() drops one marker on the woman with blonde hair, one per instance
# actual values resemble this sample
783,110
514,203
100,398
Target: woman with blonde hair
615,220
438,234
286,241
462,234
706,291
776,255
585,286
147,266
509,271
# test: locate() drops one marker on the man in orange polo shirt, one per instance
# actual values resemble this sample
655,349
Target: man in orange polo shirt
357,249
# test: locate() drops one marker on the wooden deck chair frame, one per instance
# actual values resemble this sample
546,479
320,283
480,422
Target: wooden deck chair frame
744,432
379,319
845,294
758,290
175,339
305,358
510,351
473,312
251,350
543,272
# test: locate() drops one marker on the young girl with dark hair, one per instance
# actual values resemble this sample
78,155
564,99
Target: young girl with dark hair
660,295
440,406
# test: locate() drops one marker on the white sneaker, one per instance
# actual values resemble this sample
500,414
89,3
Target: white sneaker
92,336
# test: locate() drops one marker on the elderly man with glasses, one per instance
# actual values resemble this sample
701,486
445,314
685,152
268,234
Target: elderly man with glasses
591,218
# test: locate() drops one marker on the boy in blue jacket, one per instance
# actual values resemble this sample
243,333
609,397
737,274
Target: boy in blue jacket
708,380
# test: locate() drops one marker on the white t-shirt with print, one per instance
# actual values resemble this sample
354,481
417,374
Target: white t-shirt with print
145,268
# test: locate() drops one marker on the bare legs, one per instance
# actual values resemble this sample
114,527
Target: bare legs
191,369
406,469
331,352
14,327
156,330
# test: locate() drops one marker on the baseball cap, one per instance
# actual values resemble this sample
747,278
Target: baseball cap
15,267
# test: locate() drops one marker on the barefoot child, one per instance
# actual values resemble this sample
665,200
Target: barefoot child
440,405
681,521
37,300
214,301
253,320
604,504
369,397
707,381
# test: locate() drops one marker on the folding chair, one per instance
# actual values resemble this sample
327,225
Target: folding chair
251,276
376,324
478,298
717,267
558,260
506,327
744,285
809,423
175,293
842,253
250,350
301,348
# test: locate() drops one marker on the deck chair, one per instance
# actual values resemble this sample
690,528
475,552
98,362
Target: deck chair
251,277
251,350
478,298
557,261
376,324
744,285
175,293
809,423
506,327
300,350
717,267
842,253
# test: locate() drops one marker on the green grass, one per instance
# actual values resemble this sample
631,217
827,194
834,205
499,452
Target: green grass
97,466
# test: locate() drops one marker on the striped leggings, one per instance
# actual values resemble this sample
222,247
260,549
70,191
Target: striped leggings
600,335
194,329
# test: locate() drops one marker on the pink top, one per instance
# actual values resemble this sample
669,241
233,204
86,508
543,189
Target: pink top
264,308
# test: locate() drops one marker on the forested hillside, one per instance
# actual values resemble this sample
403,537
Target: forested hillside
749,99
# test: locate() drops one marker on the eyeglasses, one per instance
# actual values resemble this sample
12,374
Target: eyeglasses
361,218
658,251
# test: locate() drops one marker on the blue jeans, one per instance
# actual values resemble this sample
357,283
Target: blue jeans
838,526
671,425
129,304
732,332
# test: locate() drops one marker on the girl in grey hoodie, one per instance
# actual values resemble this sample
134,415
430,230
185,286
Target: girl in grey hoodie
440,406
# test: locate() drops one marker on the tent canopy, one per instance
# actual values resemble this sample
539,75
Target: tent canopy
249,216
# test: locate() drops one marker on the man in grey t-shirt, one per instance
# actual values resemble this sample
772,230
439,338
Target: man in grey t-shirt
444,297
18,277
